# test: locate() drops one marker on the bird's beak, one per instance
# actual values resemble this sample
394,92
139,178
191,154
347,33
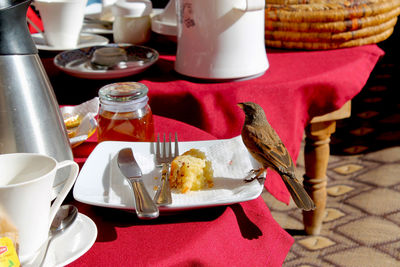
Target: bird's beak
240,105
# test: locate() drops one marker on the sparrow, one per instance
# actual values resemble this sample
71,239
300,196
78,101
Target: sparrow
265,145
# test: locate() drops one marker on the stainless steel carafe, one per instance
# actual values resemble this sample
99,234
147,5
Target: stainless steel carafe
30,118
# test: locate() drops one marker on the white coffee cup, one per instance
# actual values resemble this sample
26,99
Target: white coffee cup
26,181
132,24
62,21
221,39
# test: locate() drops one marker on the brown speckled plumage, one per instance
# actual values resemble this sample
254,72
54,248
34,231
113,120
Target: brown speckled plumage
266,147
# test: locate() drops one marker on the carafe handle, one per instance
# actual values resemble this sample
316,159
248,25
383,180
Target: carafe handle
15,36
250,5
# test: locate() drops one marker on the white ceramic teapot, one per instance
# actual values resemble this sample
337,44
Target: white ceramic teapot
221,39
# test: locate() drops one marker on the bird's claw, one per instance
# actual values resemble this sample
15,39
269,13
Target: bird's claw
248,180
255,174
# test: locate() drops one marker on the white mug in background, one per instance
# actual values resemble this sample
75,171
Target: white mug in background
62,21
26,186
132,22
221,39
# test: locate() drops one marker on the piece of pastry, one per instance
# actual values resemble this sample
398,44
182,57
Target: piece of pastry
72,121
191,171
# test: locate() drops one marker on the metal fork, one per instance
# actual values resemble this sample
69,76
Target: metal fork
163,195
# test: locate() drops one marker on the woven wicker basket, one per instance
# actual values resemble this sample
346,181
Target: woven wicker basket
328,24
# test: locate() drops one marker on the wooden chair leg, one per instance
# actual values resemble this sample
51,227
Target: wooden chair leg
316,156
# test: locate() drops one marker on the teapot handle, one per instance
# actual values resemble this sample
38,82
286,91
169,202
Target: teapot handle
250,5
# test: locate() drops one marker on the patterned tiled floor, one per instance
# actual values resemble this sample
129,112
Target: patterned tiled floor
362,223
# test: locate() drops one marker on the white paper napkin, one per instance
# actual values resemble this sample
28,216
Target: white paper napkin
231,164
87,111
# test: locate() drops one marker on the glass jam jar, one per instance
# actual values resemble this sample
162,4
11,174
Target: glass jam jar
125,114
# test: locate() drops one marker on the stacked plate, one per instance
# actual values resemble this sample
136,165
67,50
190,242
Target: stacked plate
328,24
164,21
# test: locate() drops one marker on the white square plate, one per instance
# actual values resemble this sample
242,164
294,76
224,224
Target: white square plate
101,183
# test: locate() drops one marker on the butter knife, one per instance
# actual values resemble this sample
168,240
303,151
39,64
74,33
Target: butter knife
144,205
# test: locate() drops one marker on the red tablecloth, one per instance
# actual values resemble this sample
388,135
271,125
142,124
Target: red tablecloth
298,86
35,19
243,234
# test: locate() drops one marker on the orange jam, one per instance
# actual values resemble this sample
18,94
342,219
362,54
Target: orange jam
122,127
124,113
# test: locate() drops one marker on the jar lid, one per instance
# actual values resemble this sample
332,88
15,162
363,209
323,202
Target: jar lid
123,92
124,96
132,8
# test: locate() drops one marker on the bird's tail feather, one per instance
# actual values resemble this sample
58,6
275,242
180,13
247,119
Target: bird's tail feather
298,193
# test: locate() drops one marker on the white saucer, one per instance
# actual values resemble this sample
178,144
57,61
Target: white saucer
78,62
165,21
163,27
95,29
93,11
70,245
85,40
